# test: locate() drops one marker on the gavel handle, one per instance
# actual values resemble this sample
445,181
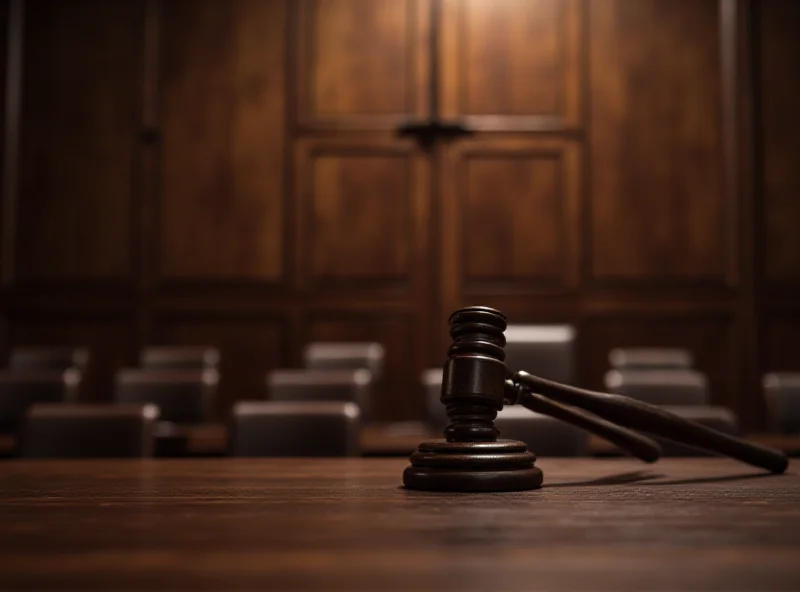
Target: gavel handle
639,446
640,416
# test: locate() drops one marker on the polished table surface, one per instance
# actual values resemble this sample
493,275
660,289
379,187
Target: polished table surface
330,524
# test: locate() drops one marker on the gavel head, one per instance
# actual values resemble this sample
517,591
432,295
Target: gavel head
474,387
473,384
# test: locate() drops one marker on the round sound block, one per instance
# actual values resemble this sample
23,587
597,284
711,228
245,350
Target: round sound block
504,465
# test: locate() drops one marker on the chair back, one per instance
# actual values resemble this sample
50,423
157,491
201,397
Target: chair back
660,387
544,350
435,412
353,386
179,358
48,358
328,355
544,435
295,428
88,431
19,389
650,358
782,398
182,396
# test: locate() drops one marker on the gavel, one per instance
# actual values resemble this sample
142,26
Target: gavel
476,384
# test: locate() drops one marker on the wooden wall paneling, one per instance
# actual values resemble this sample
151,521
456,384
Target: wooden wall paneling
399,396
5,141
250,346
710,338
513,65
510,220
780,142
222,213
362,64
659,211
78,131
110,337
782,343
362,215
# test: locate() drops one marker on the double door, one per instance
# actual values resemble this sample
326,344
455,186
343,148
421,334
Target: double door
487,213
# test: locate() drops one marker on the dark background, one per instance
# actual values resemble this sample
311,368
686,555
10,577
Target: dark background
227,172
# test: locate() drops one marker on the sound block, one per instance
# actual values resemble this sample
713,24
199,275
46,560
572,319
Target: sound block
504,465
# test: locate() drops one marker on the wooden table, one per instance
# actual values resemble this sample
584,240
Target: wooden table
304,524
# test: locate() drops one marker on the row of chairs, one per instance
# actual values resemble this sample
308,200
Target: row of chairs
257,428
313,411
316,355
311,386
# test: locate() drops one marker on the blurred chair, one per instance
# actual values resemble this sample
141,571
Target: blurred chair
660,387
681,391
328,355
48,358
544,350
435,412
88,431
641,358
353,386
544,435
19,389
302,428
182,396
782,397
179,358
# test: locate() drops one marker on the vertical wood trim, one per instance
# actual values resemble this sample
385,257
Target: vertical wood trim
737,112
573,55
13,116
149,157
729,60
746,90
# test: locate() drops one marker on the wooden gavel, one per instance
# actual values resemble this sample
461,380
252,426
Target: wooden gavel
475,386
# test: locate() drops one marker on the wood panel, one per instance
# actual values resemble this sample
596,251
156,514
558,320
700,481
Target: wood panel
780,96
363,212
709,338
5,141
222,195
782,344
399,394
79,125
511,218
111,340
659,210
361,62
250,346
512,64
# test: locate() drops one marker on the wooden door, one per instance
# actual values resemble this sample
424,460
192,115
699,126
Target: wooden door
361,232
511,193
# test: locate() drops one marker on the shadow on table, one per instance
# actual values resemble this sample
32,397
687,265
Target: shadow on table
648,478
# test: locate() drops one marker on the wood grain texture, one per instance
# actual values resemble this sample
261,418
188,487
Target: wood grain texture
781,339
398,396
512,64
111,340
249,347
360,210
515,208
710,339
295,524
222,194
81,67
658,207
359,61
5,141
780,94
